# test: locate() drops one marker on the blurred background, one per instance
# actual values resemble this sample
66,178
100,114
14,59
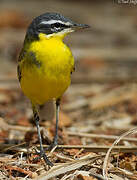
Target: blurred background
103,96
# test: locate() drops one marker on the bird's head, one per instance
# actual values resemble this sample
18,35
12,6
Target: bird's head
52,24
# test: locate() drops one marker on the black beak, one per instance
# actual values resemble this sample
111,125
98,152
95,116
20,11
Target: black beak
80,26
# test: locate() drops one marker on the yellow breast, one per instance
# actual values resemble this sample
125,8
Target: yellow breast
50,76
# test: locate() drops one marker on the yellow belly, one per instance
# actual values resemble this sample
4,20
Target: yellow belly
40,88
51,79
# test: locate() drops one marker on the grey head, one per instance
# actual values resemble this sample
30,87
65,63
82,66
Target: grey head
50,23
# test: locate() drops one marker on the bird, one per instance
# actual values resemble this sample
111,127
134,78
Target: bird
45,65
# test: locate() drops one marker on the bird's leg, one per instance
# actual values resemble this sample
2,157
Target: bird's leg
42,153
55,139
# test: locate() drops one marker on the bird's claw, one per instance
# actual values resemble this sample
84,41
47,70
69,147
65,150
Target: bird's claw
52,145
42,155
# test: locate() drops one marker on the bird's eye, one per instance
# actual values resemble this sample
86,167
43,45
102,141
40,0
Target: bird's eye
57,25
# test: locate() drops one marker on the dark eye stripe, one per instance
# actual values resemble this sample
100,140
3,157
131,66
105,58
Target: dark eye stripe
59,25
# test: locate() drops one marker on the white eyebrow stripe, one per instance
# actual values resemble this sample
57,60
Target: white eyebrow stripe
52,21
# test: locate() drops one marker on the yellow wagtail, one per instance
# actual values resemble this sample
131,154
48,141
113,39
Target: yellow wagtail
45,64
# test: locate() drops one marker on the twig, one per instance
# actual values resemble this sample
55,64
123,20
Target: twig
100,136
61,169
6,147
21,128
88,148
128,173
105,165
20,170
95,148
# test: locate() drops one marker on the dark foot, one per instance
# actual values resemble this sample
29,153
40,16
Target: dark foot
43,155
47,161
53,144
